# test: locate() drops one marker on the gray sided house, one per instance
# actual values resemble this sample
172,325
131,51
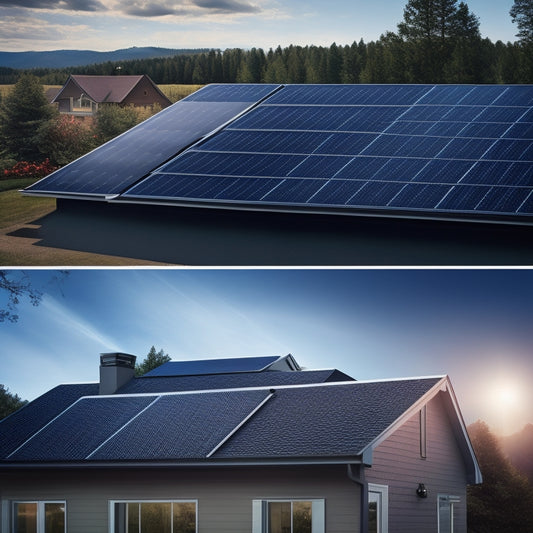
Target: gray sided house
236,445
82,95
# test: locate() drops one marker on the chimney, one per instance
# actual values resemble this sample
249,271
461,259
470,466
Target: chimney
116,369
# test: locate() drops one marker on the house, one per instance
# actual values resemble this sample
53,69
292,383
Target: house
236,445
82,95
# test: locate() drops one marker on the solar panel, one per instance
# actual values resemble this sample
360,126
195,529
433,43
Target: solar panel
126,159
421,150
409,150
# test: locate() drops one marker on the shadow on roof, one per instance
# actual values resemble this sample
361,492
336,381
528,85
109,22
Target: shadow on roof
218,237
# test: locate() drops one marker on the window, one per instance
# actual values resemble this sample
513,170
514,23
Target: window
288,516
446,512
153,517
39,517
378,508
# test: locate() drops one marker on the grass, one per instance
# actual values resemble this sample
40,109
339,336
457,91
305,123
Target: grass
175,92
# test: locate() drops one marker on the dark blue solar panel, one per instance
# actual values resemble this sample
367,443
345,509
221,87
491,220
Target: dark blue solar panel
416,148
503,199
336,192
463,148
80,429
21,425
443,171
232,93
375,194
511,150
294,190
418,196
520,130
266,141
482,95
213,366
446,95
183,426
489,130
446,129
316,166
113,167
349,94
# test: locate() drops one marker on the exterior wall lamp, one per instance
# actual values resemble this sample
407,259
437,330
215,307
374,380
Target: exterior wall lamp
421,491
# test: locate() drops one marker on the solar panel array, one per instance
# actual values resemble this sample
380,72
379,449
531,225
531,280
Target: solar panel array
425,149
124,160
437,151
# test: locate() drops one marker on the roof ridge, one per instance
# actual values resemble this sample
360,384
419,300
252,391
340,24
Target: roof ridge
261,387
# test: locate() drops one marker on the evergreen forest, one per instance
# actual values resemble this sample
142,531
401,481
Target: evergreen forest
438,41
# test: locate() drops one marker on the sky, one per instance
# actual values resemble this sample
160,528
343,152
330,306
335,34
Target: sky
105,25
473,325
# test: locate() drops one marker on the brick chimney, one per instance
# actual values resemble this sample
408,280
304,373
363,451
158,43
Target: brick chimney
116,369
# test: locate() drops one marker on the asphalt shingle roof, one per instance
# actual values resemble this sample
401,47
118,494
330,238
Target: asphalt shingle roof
295,422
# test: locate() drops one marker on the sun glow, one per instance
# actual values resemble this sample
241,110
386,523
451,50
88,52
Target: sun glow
507,395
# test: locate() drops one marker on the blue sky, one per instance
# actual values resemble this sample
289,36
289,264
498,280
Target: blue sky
113,24
474,326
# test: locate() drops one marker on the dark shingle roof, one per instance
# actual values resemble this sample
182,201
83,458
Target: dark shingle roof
230,381
18,427
309,422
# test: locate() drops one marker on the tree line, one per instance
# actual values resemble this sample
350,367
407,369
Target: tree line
438,41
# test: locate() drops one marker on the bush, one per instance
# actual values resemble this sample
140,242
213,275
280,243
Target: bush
65,138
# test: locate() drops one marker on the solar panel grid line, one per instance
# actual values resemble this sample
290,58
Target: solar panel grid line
43,428
527,199
113,435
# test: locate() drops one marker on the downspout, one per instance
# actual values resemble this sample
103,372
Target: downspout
359,479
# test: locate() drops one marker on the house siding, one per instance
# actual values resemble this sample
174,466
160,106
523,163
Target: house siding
397,463
138,97
224,495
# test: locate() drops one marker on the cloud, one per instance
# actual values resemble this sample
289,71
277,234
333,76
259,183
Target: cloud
227,6
148,8
67,5
17,31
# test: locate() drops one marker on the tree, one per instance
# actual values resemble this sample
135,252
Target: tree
22,113
522,15
112,120
151,361
503,503
16,284
9,402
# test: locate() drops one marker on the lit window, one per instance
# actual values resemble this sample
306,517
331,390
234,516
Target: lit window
39,517
446,512
378,508
160,517
288,516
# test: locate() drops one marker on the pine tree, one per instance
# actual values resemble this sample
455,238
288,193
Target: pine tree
503,503
522,14
151,361
22,113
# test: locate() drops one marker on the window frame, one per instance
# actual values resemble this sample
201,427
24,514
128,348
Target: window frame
41,514
112,503
451,500
260,513
382,505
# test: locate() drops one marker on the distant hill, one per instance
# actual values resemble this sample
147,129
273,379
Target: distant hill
77,58
519,449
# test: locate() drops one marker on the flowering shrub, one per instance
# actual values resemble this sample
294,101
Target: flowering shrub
23,169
